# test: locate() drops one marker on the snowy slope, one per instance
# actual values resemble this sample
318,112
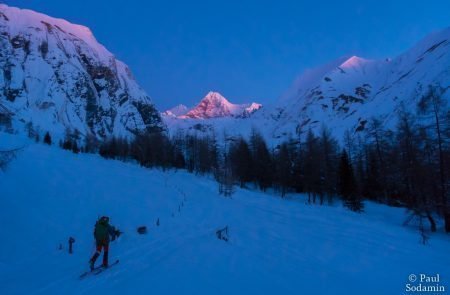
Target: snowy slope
57,76
277,246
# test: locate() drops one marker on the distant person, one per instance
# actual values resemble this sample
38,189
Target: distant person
102,233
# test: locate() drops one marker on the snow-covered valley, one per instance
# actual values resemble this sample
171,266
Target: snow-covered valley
354,130
276,246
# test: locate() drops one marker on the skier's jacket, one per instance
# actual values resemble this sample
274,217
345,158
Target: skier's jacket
103,230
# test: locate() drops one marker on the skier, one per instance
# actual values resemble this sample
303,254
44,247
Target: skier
102,232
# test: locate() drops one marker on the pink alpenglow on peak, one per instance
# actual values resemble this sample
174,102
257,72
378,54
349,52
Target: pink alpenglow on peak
253,107
18,19
354,61
214,105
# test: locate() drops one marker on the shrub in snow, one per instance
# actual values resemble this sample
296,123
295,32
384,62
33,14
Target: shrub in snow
6,157
142,230
222,234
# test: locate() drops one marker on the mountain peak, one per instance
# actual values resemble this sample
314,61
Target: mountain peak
353,61
17,19
213,105
215,97
177,111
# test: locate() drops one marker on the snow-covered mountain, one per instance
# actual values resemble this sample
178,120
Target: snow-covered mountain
214,105
345,94
341,95
56,75
213,114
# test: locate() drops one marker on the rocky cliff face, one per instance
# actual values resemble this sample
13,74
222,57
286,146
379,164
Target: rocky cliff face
57,76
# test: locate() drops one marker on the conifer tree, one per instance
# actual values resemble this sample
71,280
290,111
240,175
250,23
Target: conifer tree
262,168
47,138
347,184
240,159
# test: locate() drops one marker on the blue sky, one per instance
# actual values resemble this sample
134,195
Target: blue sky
247,50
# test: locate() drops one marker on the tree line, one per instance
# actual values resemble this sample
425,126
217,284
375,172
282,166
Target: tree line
407,166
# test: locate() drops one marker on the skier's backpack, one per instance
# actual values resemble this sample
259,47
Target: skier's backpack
101,230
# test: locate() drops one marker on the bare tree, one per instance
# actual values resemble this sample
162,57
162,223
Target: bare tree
416,181
329,163
434,105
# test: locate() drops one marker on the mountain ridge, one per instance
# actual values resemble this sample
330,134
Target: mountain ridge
345,94
58,77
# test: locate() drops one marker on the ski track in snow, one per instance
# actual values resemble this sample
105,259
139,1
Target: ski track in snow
277,246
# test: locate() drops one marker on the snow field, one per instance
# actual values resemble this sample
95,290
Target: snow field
277,246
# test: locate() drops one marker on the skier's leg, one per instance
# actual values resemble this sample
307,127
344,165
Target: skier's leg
105,254
96,255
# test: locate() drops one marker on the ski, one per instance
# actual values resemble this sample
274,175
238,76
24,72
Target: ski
101,269
98,269
84,274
